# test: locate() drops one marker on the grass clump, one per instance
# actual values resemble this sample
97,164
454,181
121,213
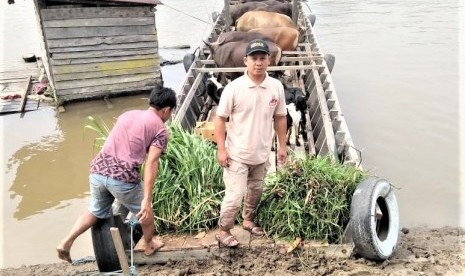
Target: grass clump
309,197
189,187
188,192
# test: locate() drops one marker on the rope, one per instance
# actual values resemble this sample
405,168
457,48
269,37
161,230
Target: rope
199,19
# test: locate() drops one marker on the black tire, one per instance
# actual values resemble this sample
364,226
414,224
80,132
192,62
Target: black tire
104,248
187,61
374,239
330,60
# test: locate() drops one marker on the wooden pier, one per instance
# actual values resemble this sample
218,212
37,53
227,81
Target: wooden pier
16,83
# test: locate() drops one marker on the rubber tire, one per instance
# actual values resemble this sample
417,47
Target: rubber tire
370,242
187,61
104,248
330,60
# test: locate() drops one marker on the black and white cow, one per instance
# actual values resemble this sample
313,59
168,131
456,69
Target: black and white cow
296,105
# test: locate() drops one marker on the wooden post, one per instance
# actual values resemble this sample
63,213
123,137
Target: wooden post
295,14
123,260
24,95
227,17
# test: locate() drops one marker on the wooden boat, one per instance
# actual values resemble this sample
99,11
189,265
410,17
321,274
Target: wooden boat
373,227
326,127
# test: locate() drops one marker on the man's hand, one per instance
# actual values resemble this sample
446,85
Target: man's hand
146,212
223,158
282,155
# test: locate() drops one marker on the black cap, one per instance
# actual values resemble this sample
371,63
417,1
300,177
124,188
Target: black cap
257,45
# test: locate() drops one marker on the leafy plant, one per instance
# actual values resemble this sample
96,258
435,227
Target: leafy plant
189,188
101,129
309,198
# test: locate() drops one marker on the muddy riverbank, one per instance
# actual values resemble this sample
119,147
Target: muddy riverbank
422,251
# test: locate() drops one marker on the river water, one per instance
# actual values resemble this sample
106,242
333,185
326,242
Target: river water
396,76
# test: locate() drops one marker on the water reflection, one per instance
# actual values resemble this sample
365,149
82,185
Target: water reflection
53,168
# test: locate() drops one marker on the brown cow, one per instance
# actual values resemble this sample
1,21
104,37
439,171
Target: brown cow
232,36
237,11
232,55
262,19
285,37
282,8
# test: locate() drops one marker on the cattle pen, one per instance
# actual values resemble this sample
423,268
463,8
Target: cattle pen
308,70
324,132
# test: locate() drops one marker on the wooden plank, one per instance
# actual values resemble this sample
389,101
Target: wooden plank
14,81
101,74
180,114
24,95
301,53
283,59
103,81
123,260
110,88
102,22
103,66
180,255
105,59
327,128
242,69
89,41
75,32
134,45
104,53
95,12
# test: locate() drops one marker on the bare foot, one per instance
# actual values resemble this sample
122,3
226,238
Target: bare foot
153,246
64,254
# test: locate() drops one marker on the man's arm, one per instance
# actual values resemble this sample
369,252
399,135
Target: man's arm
150,175
220,136
280,126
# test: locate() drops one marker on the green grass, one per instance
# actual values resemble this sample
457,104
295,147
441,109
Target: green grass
309,197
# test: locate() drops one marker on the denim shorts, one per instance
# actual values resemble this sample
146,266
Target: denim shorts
104,190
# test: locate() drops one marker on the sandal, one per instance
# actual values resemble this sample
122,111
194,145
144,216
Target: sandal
254,230
228,241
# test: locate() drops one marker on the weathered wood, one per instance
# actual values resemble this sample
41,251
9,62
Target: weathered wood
102,66
123,260
89,41
104,81
75,32
105,53
108,89
187,101
95,12
180,255
329,134
135,45
24,95
100,22
100,74
104,59
106,2
283,59
314,54
270,68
